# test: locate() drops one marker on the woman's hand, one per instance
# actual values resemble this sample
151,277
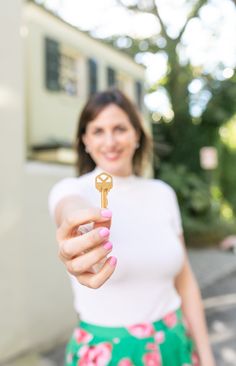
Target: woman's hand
80,252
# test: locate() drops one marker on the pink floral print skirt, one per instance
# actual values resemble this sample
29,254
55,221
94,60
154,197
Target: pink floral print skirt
165,342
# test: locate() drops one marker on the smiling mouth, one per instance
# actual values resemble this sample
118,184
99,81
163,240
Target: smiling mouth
112,156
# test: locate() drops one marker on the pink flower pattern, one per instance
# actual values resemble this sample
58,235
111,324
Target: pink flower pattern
142,330
151,347
98,355
101,354
152,359
82,336
170,320
159,337
125,362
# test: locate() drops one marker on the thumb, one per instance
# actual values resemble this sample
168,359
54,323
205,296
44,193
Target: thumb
105,218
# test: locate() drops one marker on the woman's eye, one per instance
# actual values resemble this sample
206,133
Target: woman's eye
97,132
121,128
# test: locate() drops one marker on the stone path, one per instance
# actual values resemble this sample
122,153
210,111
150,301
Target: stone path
210,265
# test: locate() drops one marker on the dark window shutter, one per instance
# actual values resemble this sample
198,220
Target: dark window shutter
52,64
111,77
92,76
139,93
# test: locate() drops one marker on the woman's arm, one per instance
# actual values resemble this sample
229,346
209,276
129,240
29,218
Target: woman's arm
193,311
67,206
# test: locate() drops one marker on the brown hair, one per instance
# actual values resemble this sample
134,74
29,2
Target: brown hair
93,107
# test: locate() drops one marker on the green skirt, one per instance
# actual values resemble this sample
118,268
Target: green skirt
162,343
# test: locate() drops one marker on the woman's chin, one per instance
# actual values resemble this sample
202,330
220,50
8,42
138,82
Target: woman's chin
114,168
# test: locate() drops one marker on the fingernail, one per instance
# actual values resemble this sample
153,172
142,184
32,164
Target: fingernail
106,213
107,245
104,232
113,261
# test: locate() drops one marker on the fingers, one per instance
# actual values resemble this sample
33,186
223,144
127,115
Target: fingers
83,263
81,217
81,252
97,280
70,248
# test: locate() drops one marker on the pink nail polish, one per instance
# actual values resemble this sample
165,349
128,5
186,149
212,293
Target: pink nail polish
104,232
113,261
107,245
106,213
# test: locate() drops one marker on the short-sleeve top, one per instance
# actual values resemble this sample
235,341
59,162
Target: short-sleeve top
145,233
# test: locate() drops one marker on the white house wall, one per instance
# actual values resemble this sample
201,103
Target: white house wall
36,300
12,279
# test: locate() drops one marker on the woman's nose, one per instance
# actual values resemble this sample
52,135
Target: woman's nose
110,139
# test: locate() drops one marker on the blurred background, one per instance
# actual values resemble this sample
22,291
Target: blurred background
176,60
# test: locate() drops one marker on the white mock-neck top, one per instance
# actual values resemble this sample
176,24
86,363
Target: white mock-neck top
145,231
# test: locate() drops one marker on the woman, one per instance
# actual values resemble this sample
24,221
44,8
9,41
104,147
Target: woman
134,311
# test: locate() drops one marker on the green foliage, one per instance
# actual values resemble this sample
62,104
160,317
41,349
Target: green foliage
228,176
208,232
221,106
192,192
200,207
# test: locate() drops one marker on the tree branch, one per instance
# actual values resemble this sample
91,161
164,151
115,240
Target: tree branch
153,11
191,15
136,8
163,28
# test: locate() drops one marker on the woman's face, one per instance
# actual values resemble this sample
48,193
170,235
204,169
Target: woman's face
111,140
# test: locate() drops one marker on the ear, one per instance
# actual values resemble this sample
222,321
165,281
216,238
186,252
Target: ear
84,139
138,135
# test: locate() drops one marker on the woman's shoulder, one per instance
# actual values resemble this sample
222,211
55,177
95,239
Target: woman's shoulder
73,181
67,187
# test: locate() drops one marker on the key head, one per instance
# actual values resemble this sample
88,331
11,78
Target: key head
103,182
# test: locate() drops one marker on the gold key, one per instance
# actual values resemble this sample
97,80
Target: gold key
103,184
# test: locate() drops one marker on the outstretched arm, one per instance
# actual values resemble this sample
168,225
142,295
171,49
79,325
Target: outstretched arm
192,307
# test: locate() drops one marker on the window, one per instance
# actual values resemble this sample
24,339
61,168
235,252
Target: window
68,74
52,60
60,69
92,76
111,77
139,93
